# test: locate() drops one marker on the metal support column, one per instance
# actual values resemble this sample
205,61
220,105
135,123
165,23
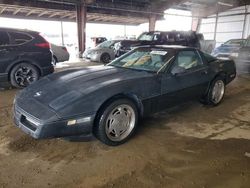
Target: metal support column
81,19
62,33
245,23
152,21
195,24
216,25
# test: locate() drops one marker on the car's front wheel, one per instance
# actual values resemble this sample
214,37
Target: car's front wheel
117,122
216,91
105,58
23,74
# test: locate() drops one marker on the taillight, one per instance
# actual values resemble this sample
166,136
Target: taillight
43,45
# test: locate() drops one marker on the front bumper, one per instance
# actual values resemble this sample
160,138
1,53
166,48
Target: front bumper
93,57
39,130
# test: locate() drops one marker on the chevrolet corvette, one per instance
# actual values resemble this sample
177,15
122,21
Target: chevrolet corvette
108,101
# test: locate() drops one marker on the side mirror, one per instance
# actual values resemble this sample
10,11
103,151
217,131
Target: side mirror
178,70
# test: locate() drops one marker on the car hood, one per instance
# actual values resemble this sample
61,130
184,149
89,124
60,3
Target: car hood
70,85
227,49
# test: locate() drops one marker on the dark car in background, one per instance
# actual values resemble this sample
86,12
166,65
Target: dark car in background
183,38
242,58
229,48
108,101
25,56
60,54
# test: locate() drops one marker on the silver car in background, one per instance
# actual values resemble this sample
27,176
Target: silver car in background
60,54
103,53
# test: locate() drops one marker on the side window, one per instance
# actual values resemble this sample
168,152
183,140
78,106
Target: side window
180,37
188,60
170,37
20,38
156,37
4,38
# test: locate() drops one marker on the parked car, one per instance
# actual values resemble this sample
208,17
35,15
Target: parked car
109,100
60,54
97,40
227,49
183,38
242,58
25,56
104,52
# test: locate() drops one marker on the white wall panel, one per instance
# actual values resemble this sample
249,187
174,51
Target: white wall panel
207,28
231,18
209,36
208,20
228,27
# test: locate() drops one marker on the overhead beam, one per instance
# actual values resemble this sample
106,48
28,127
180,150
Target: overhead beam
18,10
30,12
66,15
2,10
53,15
43,13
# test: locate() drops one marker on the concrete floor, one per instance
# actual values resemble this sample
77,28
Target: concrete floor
187,146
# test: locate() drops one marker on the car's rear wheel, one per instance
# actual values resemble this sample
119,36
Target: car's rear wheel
117,122
23,74
105,58
216,91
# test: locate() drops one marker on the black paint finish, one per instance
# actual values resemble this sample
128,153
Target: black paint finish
80,93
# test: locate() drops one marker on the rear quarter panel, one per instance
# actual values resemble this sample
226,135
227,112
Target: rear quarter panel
225,68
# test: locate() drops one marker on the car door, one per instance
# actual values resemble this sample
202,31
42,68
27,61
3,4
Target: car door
4,51
187,78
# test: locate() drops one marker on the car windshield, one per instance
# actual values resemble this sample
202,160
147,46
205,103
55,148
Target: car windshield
106,44
236,42
149,36
145,58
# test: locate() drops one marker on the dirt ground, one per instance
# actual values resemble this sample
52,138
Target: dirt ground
187,146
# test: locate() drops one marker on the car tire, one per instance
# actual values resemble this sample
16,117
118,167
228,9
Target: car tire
216,91
105,58
23,74
116,122
54,60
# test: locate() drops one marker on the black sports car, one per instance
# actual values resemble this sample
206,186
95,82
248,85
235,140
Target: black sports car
108,100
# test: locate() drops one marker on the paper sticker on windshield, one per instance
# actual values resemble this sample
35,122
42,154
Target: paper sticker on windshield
159,52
